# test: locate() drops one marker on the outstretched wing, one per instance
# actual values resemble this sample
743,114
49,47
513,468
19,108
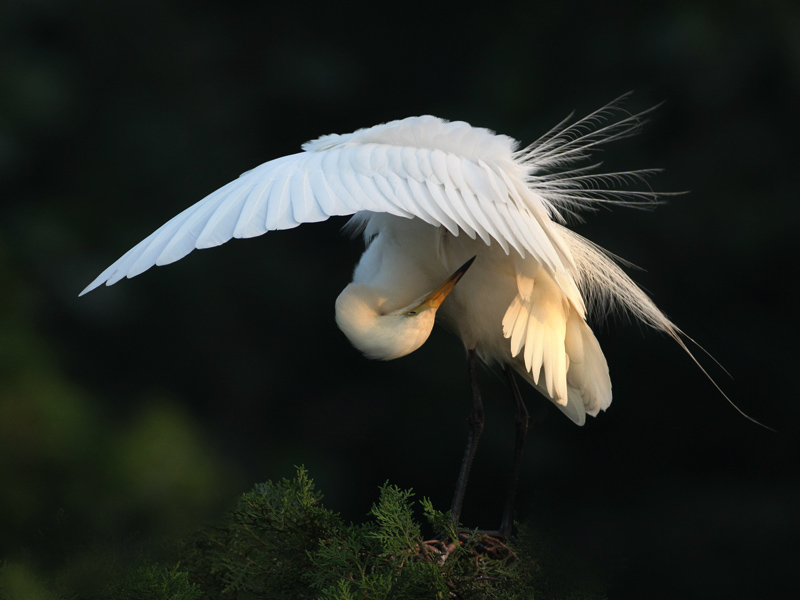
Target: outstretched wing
448,174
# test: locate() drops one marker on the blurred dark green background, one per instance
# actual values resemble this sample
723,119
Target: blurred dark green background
132,414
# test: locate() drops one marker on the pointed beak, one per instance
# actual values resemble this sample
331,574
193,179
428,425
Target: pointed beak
437,296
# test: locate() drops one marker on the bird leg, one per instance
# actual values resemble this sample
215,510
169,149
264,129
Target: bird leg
476,419
521,427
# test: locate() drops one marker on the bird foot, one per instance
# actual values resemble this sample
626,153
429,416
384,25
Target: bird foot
476,542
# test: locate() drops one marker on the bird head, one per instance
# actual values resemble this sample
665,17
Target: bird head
388,335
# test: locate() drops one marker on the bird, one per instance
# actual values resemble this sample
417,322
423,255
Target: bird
462,226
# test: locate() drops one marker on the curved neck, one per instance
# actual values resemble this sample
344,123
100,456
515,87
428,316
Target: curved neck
378,334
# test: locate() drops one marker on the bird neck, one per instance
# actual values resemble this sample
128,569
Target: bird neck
378,334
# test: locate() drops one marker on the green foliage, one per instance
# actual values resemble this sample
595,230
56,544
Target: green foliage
280,542
264,546
388,558
151,582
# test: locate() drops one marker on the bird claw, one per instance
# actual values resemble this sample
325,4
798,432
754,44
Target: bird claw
477,543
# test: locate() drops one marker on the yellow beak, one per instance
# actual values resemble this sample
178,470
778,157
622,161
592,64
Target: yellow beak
437,296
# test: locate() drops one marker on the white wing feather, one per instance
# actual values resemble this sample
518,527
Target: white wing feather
451,174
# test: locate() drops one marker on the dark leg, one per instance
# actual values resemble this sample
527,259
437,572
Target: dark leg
521,425
476,419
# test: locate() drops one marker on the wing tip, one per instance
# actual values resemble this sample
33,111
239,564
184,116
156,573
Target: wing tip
92,286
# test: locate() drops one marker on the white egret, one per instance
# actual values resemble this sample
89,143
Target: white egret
440,202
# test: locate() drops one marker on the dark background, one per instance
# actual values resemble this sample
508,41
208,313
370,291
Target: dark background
131,414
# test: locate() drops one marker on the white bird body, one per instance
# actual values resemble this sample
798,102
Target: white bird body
430,195
508,308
